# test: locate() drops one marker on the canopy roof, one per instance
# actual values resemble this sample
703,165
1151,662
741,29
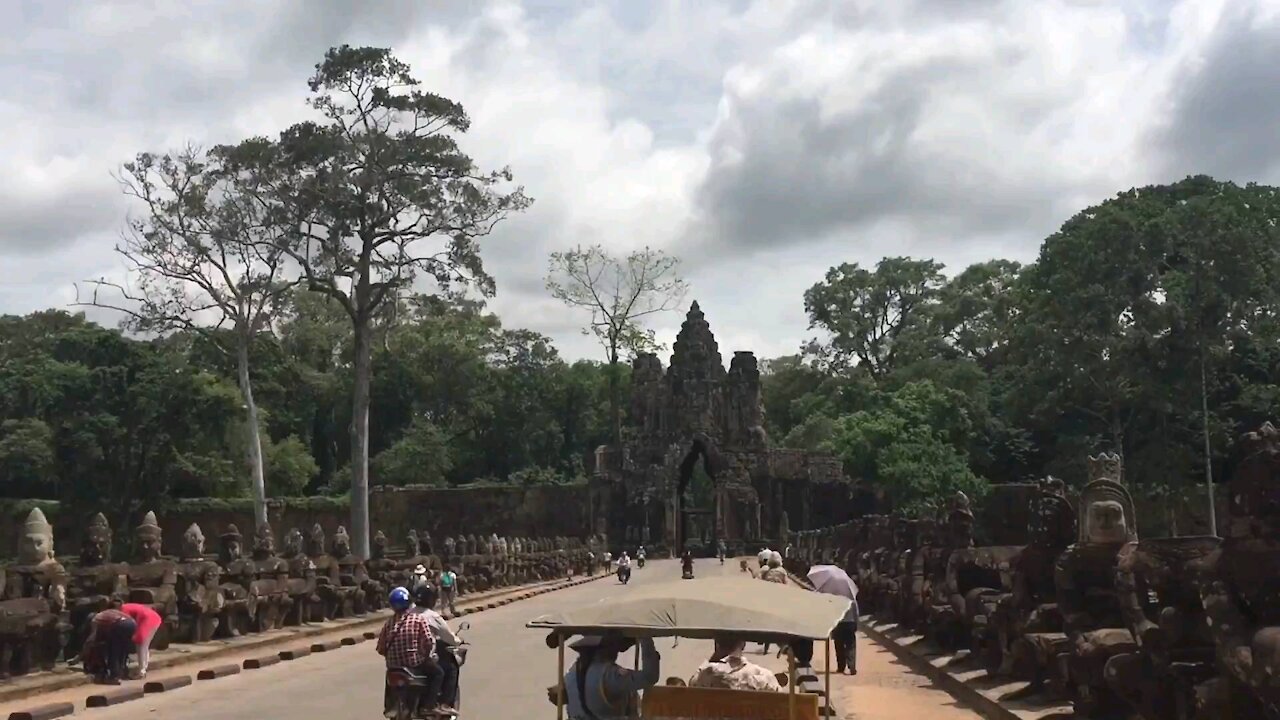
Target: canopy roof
704,609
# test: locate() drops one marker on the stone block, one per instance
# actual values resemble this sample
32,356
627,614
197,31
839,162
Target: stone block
218,671
114,697
166,684
370,635
44,712
326,646
295,653
260,662
352,640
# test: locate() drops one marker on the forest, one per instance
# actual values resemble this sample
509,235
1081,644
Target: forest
308,316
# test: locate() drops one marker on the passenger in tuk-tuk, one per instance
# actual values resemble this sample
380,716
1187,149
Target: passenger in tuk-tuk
598,688
729,670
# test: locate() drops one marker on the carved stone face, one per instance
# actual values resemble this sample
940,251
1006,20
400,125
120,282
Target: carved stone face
193,542
1107,522
232,549
315,543
36,547
341,543
96,548
148,548
264,543
293,543
379,549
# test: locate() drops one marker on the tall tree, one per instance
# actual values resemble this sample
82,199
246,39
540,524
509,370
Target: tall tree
205,258
619,293
867,313
378,193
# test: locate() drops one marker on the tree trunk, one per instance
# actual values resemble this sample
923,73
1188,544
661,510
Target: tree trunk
254,435
615,415
360,439
1208,447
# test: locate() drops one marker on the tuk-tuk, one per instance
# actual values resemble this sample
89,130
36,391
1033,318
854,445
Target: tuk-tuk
754,611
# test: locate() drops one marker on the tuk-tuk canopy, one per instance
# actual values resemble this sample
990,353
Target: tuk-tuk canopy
704,609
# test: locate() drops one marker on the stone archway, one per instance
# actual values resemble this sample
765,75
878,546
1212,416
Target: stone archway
687,512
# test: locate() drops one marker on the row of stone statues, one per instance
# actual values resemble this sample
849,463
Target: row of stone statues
1170,628
45,606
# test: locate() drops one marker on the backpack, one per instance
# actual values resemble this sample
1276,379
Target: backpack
446,579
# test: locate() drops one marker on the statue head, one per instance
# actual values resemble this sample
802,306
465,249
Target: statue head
264,542
379,549
1254,505
1052,521
1108,516
95,549
424,542
232,544
341,543
147,539
36,545
293,544
411,544
315,541
193,543
960,521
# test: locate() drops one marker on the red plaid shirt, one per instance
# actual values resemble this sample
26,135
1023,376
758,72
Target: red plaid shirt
406,641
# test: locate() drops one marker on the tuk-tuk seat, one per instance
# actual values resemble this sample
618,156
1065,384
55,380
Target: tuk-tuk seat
670,701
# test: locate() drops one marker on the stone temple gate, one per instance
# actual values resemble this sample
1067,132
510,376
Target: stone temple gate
695,413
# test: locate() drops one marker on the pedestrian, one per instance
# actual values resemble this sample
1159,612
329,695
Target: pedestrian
419,577
845,636
148,622
449,590
407,643
112,632
807,677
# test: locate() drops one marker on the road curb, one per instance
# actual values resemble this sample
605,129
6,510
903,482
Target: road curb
44,712
325,646
260,662
218,671
114,697
166,684
295,653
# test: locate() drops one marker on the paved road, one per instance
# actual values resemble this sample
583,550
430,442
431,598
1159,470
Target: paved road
508,671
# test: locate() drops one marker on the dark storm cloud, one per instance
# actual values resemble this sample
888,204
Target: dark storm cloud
1226,114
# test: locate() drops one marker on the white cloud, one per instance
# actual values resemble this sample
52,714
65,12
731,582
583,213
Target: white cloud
762,141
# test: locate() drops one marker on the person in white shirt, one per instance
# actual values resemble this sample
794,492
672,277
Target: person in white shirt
624,561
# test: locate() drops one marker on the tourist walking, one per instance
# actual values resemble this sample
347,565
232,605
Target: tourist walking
833,580
449,590
148,622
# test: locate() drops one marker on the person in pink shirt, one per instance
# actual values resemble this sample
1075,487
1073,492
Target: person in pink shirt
148,621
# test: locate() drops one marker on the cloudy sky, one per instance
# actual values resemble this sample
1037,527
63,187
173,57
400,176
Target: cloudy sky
760,141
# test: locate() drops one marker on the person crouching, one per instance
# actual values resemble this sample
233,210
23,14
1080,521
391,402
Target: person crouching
110,640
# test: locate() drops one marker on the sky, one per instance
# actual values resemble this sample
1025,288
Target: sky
759,141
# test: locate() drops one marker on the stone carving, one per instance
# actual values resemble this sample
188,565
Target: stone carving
34,592
153,579
353,574
305,603
200,598
338,600
270,582
1240,588
240,606
95,582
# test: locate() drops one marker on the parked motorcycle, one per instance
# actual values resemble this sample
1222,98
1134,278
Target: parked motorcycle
408,686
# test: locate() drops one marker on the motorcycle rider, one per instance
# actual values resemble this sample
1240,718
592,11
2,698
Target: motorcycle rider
721,550
640,556
624,567
424,603
406,641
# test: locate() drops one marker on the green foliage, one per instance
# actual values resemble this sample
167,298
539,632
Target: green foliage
420,457
26,458
289,466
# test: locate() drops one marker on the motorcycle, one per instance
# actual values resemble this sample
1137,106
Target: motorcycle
640,561
408,686
624,574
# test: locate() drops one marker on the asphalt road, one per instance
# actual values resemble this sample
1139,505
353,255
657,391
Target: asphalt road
508,670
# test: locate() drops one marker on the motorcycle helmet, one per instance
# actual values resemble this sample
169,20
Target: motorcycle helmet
399,599
425,595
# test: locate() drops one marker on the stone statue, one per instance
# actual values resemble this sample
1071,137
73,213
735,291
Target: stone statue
153,578
339,601
353,574
1087,595
306,605
270,581
240,607
450,548
424,543
95,583
34,592
381,568
412,547
200,599
1240,587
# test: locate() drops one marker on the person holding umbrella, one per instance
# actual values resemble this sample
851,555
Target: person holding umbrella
833,580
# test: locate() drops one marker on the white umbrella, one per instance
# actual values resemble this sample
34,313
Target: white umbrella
832,580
